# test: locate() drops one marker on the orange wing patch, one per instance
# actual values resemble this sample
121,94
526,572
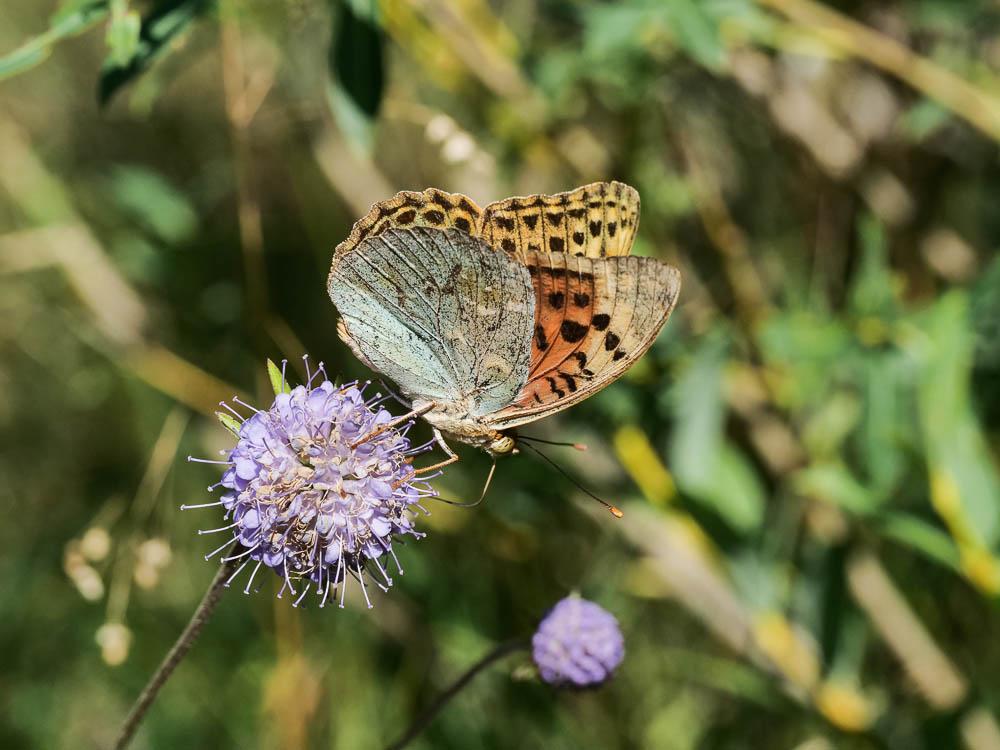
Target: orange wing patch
595,220
594,317
431,208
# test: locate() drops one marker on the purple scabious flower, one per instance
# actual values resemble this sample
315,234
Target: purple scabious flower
577,644
318,487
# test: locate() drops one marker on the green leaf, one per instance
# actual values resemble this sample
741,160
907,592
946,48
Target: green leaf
888,427
122,38
964,481
872,293
834,483
827,428
698,411
810,351
278,382
733,489
152,201
167,20
923,120
356,61
706,466
230,422
631,30
613,30
697,33
922,537
71,20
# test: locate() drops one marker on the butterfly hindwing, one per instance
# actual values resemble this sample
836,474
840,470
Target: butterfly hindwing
438,312
594,317
595,220
407,209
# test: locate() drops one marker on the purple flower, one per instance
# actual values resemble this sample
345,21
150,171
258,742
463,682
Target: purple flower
311,496
578,644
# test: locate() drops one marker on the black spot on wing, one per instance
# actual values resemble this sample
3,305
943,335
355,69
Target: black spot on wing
601,321
555,387
540,339
611,340
570,381
572,331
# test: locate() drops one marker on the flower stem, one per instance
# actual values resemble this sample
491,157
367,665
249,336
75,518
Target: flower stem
177,653
428,714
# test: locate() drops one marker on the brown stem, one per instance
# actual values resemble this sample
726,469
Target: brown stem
427,715
175,655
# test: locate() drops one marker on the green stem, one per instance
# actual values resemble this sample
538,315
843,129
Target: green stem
428,714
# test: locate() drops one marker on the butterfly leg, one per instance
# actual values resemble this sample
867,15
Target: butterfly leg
452,456
395,423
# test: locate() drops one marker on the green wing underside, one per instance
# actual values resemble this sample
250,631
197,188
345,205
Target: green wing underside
440,313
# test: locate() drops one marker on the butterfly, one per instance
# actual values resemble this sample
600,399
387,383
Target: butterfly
490,318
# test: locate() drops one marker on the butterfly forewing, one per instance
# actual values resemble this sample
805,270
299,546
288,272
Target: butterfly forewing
594,317
595,220
407,209
440,313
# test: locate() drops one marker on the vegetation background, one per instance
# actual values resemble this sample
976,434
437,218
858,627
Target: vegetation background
807,458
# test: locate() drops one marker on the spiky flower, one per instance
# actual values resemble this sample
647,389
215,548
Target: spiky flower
318,488
577,644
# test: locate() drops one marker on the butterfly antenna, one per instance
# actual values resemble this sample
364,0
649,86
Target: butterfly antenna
615,511
576,446
482,495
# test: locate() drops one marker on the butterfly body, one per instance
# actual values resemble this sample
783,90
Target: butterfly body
487,319
467,428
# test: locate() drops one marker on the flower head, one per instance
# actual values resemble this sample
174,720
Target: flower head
318,487
577,643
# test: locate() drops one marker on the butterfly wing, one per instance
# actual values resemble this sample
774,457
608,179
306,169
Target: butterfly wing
594,317
595,220
439,312
430,208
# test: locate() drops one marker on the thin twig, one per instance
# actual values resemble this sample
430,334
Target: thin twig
176,654
428,714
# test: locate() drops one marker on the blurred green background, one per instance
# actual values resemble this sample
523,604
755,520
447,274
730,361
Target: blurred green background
807,458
